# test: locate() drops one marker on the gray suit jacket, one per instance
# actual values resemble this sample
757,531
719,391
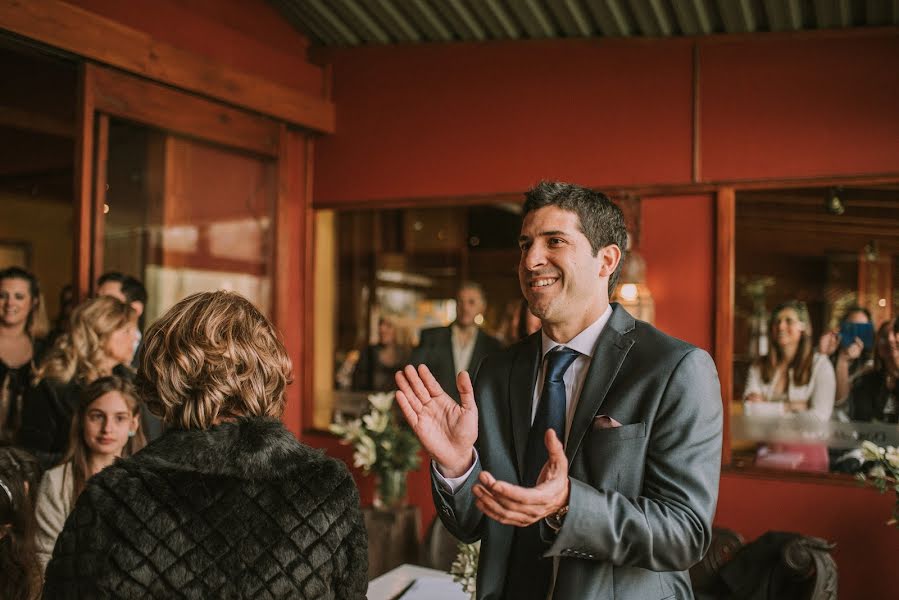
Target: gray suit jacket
435,349
643,495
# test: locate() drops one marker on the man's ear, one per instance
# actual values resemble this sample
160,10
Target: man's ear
609,256
138,308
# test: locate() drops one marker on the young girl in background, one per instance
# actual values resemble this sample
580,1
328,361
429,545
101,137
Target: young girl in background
20,574
106,426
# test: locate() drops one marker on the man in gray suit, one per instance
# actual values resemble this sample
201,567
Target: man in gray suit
459,347
586,457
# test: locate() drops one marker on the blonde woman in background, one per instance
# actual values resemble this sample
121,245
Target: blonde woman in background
226,503
23,325
100,340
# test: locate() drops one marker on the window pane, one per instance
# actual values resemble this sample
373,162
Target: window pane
186,216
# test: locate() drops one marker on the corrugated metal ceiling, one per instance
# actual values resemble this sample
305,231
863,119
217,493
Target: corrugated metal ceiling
360,22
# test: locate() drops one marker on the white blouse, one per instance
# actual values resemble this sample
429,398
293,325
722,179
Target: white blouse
819,392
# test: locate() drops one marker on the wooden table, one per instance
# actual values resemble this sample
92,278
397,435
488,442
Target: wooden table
393,538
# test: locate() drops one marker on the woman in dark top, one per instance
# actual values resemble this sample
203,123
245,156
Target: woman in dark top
378,362
23,323
226,503
875,394
100,340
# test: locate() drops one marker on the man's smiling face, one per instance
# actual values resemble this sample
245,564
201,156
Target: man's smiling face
559,275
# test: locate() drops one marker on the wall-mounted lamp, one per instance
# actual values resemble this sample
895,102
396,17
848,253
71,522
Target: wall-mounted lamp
632,292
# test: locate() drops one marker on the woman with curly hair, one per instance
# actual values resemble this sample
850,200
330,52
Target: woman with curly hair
23,325
226,503
100,340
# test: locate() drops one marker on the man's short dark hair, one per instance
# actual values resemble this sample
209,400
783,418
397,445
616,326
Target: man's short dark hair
134,290
110,276
601,221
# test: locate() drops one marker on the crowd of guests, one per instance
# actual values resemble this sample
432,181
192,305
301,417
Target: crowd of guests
849,375
210,391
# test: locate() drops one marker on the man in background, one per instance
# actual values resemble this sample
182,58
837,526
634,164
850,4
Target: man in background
447,351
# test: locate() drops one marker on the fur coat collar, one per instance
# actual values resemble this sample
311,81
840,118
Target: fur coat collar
249,448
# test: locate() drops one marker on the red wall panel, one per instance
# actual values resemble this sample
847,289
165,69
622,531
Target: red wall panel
464,119
788,108
678,243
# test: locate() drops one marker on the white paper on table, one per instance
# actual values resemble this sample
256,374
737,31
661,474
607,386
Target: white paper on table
433,588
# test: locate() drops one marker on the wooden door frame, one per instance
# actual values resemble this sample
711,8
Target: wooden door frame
104,92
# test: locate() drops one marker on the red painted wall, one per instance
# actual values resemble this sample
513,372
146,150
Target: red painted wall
677,241
789,108
470,119
467,119
247,35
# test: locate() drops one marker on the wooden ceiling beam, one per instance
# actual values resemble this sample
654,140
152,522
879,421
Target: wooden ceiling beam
73,29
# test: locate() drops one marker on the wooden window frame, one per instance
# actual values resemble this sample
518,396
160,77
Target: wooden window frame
105,93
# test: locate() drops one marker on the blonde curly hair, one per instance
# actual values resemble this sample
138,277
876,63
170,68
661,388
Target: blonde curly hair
79,353
212,356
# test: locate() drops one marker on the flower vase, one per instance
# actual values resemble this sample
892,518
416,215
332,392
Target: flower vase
390,490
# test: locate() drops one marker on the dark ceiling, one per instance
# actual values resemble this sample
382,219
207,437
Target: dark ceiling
361,22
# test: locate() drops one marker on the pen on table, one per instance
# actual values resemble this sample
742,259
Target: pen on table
402,591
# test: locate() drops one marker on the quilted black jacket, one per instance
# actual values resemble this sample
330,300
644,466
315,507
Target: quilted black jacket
241,510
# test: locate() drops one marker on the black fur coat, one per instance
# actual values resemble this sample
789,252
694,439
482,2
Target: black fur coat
241,510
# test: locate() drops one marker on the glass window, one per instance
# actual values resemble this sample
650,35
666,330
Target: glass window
186,216
815,314
381,276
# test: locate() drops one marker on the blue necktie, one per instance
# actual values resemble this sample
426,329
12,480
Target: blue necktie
550,414
528,573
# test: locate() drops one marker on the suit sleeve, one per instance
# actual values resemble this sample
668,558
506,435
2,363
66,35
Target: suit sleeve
669,526
420,352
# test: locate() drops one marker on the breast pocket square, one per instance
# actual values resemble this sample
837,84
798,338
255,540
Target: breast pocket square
605,422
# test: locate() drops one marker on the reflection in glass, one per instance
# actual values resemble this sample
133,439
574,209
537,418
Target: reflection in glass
186,217
381,276
813,284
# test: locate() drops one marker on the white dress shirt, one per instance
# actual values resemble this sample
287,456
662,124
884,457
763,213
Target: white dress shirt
462,352
584,343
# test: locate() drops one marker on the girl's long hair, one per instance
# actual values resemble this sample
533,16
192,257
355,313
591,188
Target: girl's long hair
78,453
801,365
78,353
880,364
37,325
20,572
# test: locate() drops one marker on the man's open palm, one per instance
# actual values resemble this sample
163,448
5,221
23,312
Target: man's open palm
447,430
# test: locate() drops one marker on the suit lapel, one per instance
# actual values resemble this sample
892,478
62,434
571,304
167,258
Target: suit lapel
447,343
608,355
522,379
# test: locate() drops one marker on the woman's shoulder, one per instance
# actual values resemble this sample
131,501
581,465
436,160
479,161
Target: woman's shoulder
821,362
54,478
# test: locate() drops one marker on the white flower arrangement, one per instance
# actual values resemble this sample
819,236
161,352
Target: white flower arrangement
465,567
884,475
381,442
